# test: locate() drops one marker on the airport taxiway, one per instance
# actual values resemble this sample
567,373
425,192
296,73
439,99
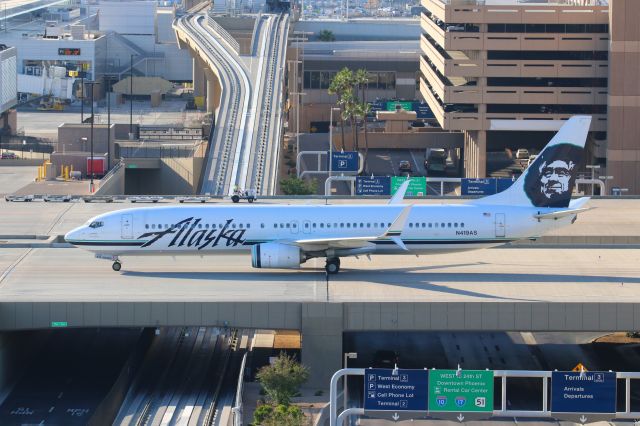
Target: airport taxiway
493,275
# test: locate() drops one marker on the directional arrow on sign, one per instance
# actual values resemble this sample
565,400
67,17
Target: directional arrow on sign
583,419
395,417
460,417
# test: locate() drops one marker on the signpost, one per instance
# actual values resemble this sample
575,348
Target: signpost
395,394
478,186
374,185
342,162
583,397
461,394
417,186
405,105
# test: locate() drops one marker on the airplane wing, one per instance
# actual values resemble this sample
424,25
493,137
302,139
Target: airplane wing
393,233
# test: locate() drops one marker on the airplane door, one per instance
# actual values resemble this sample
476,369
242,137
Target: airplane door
500,225
126,222
294,227
306,227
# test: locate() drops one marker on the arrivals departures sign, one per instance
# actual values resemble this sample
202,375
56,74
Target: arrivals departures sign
584,397
396,397
461,394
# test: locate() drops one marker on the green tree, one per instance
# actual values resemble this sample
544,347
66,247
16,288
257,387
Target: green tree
326,35
296,186
282,379
284,415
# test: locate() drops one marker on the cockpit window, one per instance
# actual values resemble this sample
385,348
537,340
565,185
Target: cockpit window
96,224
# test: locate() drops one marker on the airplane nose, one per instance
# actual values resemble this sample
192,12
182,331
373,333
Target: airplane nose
72,235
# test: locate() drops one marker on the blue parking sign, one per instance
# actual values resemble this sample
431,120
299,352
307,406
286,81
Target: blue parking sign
347,161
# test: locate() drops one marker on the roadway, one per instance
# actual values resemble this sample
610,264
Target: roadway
494,275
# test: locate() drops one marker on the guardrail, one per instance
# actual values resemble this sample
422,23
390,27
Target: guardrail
171,198
503,411
237,409
224,34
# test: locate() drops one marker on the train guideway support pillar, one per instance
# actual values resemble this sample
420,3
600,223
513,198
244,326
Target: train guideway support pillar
199,78
213,91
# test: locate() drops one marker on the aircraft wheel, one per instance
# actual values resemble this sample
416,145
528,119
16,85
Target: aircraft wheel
332,266
116,266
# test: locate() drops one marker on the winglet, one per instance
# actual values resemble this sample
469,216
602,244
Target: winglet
398,224
398,197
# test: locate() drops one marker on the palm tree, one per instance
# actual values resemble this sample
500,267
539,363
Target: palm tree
341,87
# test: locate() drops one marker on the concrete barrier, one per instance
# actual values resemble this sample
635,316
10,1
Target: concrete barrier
19,162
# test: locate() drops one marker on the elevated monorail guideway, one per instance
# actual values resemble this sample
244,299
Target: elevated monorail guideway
245,143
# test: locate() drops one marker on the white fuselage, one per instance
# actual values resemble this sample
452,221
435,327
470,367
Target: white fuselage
225,228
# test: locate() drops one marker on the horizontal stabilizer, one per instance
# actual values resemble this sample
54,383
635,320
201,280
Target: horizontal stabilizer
560,214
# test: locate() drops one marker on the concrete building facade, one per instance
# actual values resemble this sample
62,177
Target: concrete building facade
494,69
623,151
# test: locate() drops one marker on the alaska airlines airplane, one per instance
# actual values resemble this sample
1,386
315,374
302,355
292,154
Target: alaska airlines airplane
285,236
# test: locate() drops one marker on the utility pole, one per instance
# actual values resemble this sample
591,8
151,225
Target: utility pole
131,99
82,96
91,171
108,91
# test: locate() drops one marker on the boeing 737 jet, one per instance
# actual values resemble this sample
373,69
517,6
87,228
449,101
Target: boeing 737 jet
285,236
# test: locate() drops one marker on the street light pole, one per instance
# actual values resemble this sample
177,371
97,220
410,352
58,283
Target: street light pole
331,139
347,355
131,99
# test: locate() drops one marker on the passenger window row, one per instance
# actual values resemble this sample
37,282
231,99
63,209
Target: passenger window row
200,226
314,225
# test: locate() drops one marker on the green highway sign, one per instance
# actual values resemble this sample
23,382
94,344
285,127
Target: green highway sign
417,186
59,324
461,393
407,106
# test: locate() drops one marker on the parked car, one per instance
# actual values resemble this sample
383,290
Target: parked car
522,154
8,156
404,166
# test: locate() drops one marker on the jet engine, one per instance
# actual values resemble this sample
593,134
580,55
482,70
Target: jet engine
276,255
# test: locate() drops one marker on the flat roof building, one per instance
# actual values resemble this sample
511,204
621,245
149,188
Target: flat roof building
494,69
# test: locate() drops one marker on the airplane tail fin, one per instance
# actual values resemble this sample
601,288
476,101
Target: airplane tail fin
549,180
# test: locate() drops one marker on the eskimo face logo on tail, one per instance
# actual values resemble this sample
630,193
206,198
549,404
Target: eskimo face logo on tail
182,235
550,179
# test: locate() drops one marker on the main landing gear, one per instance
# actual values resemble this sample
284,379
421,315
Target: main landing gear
116,265
333,265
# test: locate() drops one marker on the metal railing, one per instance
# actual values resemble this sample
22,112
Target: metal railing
237,409
503,375
224,34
